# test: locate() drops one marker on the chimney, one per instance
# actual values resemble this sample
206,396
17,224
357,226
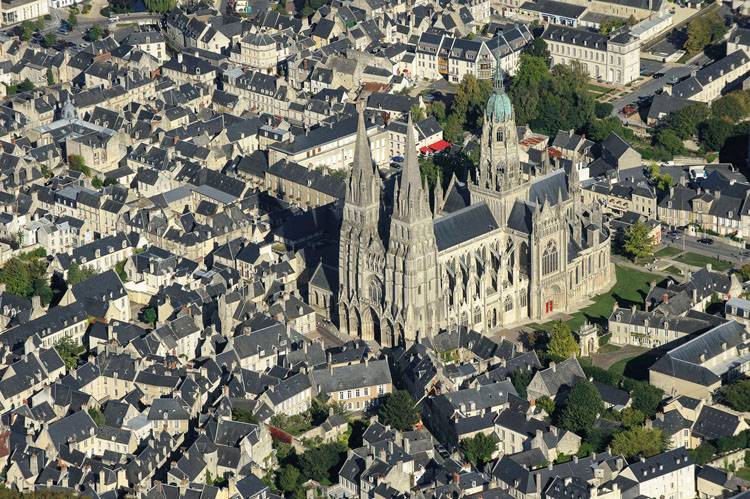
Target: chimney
553,366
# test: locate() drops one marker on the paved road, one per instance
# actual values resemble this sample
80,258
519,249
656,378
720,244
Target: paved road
651,87
716,250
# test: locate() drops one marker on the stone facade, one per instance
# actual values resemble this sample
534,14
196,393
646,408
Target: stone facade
520,249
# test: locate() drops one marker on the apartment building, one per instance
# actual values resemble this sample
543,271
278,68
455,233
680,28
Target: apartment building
612,59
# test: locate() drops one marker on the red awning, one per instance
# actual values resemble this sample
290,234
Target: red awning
440,145
424,150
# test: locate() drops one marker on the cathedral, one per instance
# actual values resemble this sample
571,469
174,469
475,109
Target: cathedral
516,244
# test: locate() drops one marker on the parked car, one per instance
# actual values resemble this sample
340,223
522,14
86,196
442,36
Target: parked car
706,240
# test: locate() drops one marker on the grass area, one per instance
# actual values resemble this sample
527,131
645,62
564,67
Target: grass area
667,252
699,260
619,366
631,288
744,473
674,271
599,89
608,348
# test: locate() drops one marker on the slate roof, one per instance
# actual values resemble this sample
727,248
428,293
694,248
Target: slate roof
463,225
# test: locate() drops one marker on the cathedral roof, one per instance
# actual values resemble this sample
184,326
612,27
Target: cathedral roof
463,225
546,189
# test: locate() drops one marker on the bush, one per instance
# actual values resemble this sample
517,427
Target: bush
603,109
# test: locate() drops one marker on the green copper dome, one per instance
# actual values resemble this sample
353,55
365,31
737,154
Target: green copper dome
499,107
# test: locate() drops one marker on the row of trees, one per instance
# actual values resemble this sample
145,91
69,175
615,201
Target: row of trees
704,31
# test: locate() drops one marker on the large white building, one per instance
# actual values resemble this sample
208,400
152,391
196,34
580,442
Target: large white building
16,11
614,59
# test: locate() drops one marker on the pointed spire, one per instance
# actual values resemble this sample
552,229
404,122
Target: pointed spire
437,198
364,178
412,200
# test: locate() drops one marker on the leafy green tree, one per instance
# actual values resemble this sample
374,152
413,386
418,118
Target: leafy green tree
78,274
583,406
417,113
289,478
603,109
77,163
638,242
437,109
97,183
631,417
73,19
95,33
25,86
646,397
50,77
97,416
737,395
244,416
732,106
521,379
562,344
714,132
639,441
69,352
478,450
684,122
26,30
322,463
160,6
547,404
26,278
538,48
703,453
149,315
527,86
50,40
668,140
399,410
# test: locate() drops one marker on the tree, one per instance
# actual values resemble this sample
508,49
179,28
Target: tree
667,139
547,404
26,278
97,183
631,417
737,395
562,344
638,242
603,109
698,37
72,19
646,397
538,48
149,315
50,77
78,274
417,113
437,109
732,106
95,33
25,86
478,450
703,453
714,132
398,410
244,416
684,122
521,379
160,6
97,416
638,441
49,40
289,478
322,463
77,163
527,86
583,406
26,30
69,352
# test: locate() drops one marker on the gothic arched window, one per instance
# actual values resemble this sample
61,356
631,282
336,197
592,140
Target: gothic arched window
550,259
508,303
375,290
500,136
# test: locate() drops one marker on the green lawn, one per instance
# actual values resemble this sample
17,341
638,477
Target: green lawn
744,473
674,271
631,288
667,251
699,260
619,366
608,348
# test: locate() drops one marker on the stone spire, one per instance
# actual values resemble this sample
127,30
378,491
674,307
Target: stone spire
363,188
411,202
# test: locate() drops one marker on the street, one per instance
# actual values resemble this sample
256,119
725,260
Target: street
718,249
651,87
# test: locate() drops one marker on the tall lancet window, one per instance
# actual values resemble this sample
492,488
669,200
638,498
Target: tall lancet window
550,259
